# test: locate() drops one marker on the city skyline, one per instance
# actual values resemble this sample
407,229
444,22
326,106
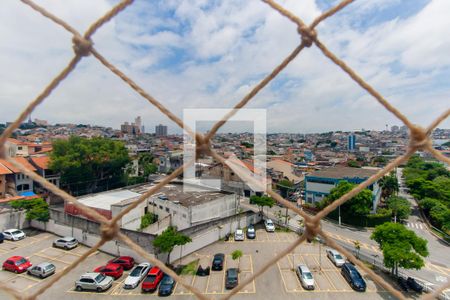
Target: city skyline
215,54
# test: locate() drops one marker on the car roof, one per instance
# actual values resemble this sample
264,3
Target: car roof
67,238
154,270
11,230
334,252
304,268
112,265
232,271
90,275
44,264
219,255
239,230
15,257
144,264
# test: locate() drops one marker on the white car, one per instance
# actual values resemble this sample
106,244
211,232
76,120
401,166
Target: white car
270,227
137,275
14,234
305,276
239,235
336,258
66,243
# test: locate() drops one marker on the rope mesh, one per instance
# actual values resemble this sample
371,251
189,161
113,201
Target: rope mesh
419,139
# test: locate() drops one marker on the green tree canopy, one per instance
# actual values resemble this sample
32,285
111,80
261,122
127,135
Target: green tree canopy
401,247
353,164
361,204
36,209
168,239
262,201
389,185
401,208
89,165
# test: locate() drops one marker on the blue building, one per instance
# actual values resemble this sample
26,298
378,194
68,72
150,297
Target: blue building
351,142
319,183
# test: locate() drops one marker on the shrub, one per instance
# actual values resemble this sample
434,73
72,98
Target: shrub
148,219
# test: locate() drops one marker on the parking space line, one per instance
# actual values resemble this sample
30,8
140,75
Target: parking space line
52,258
329,279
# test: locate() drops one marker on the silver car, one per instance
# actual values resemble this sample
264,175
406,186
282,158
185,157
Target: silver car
335,257
94,282
14,234
66,243
239,235
42,270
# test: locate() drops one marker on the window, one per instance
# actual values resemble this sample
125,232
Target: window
160,207
167,209
19,148
184,216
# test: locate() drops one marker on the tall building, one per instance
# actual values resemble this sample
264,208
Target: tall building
133,128
351,142
161,130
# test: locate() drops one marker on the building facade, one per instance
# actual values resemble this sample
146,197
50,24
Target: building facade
351,142
160,130
319,183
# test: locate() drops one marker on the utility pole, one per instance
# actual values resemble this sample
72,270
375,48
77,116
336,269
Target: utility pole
339,215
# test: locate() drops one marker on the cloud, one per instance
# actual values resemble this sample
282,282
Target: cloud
204,54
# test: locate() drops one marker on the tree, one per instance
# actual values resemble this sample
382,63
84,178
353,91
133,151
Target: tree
285,185
357,245
168,239
360,205
237,254
262,201
36,209
353,164
401,208
89,165
389,185
401,247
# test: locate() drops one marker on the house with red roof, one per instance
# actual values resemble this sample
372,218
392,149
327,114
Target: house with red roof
41,163
15,181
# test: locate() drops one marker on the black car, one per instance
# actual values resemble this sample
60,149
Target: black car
2,237
166,286
231,278
402,283
251,232
414,285
353,277
217,263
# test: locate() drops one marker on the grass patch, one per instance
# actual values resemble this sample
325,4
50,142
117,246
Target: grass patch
282,229
190,268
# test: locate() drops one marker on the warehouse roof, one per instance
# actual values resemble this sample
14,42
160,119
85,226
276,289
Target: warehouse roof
339,172
104,200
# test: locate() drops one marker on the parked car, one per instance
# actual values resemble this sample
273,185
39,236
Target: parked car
231,278
113,270
152,280
94,282
14,234
137,275
42,270
2,237
270,227
306,277
335,257
217,263
251,233
203,271
166,286
239,235
414,285
353,277
127,262
402,283
16,264
66,243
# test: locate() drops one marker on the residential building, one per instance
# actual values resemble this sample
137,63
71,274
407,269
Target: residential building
318,184
17,183
41,163
188,209
351,142
161,130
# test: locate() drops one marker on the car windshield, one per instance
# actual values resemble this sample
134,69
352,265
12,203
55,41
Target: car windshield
307,275
100,277
136,272
21,261
150,278
269,223
338,256
232,275
71,241
16,232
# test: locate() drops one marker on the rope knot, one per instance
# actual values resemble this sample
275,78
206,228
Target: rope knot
109,231
312,229
203,146
308,35
81,46
419,138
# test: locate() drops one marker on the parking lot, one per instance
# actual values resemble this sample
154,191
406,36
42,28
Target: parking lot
279,281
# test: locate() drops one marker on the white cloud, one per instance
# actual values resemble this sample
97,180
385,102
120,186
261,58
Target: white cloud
210,54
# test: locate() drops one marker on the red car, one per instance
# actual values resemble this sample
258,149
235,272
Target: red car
127,262
17,264
113,270
152,280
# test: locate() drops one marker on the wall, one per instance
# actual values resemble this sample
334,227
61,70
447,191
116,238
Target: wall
12,219
131,220
159,226
218,208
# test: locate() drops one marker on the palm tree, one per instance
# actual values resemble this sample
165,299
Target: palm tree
237,254
389,184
